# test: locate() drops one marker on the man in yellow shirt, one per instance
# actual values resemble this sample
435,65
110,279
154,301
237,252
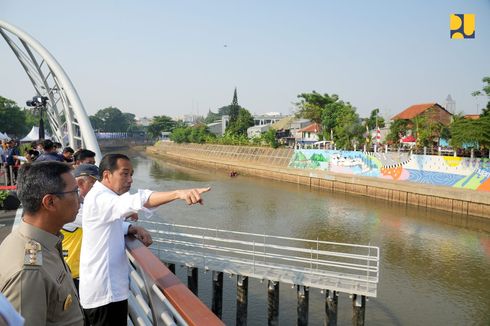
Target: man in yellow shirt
85,175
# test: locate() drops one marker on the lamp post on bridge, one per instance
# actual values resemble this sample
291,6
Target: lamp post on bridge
39,103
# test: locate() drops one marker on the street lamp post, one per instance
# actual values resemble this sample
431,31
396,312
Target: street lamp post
39,103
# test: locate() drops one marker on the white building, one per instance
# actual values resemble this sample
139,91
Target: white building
267,118
218,128
256,131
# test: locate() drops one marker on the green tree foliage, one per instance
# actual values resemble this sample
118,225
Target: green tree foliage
269,137
312,105
485,91
375,120
111,119
159,124
470,132
96,122
224,110
428,131
20,121
180,135
130,119
195,134
398,129
241,124
234,108
335,116
212,117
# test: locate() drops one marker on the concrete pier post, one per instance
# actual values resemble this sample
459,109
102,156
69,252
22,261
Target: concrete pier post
273,303
241,300
303,294
217,300
171,267
359,309
331,304
192,279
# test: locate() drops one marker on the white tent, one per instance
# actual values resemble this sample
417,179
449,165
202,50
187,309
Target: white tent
4,136
34,135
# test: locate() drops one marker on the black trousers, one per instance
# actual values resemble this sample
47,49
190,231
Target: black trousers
10,177
112,314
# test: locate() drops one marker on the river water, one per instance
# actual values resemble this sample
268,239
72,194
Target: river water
434,269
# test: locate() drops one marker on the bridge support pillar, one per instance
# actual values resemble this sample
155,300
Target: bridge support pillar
217,300
331,304
241,300
303,294
273,303
171,267
359,309
192,279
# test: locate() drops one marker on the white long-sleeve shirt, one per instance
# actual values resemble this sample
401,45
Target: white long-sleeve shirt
104,271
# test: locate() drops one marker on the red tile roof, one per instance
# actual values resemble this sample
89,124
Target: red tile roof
414,110
314,127
472,116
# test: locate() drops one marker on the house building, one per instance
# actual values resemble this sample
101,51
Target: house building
309,134
218,128
267,118
256,131
432,111
287,129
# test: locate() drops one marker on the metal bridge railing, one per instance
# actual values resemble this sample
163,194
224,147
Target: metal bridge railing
328,265
157,297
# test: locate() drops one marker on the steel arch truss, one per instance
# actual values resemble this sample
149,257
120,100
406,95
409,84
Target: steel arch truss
67,117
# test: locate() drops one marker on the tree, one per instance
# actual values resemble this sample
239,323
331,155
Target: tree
130,119
212,117
180,135
472,133
375,120
234,108
336,117
312,105
269,138
240,118
398,129
16,117
485,91
243,122
159,124
96,122
196,134
111,119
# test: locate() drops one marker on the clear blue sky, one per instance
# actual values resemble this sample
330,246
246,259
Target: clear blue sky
154,57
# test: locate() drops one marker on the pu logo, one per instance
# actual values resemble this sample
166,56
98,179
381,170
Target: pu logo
462,25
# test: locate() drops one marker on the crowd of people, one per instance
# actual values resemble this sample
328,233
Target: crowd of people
45,150
66,261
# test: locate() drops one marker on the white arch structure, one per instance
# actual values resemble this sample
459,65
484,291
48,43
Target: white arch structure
66,114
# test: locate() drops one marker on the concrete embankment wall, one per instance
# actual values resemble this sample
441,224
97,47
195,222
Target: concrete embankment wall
273,164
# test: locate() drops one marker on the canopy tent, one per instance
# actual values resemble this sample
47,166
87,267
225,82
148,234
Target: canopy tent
4,136
34,135
409,139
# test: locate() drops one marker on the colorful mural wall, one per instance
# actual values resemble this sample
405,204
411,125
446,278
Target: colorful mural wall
458,172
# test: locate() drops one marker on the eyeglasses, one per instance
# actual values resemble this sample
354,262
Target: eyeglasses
77,191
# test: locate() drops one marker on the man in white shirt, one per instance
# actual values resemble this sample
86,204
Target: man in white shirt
104,271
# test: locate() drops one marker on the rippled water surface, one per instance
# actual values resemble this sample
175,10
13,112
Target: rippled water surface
435,267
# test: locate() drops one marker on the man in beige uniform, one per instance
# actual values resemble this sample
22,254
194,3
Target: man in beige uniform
33,274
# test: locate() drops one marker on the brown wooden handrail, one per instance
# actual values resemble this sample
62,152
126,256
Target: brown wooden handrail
190,307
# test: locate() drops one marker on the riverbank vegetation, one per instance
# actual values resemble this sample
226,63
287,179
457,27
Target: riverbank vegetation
338,119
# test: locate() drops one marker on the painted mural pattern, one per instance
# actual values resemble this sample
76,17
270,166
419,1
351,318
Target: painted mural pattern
449,171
